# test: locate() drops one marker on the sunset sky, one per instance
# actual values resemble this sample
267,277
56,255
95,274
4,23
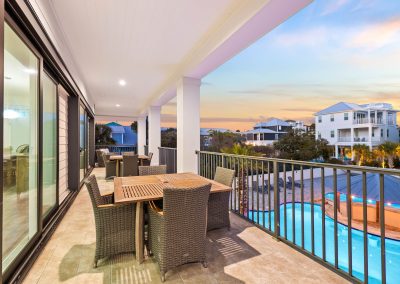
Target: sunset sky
332,51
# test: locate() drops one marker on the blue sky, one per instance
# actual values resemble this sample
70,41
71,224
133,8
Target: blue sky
331,51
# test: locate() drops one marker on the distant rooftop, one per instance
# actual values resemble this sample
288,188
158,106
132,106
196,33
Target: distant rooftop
343,106
206,131
272,122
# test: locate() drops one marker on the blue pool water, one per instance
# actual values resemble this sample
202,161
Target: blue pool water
356,199
374,242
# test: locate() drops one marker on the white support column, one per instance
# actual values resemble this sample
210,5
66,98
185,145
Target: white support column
188,124
141,134
154,132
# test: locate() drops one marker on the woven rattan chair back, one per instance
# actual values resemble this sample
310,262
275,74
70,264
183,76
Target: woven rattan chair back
106,157
185,212
130,167
94,192
99,157
152,170
224,176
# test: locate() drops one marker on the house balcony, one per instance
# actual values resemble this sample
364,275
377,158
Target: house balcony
243,254
372,120
284,226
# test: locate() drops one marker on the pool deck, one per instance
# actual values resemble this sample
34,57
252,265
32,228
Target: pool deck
372,227
245,254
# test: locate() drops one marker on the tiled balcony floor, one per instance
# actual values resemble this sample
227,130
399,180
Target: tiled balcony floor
243,255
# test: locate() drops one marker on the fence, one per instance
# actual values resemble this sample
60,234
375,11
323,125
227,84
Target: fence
167,157
118,148
311,206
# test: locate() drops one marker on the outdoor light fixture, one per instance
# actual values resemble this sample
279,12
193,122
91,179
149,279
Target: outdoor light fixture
122,82
117,105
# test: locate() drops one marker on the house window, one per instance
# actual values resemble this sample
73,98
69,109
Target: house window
320,118
332,117
319,135
387,132
279,127
373,133
346,116
254,137
332,133
381,132
276,136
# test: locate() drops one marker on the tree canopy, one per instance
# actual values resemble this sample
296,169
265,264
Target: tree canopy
103,135
297,145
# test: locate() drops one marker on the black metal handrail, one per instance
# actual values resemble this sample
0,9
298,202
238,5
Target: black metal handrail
168,157
118,148
301,191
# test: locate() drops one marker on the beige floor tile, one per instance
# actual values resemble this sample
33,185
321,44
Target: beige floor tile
245,254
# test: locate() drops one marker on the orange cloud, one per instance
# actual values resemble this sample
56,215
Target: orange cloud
377,35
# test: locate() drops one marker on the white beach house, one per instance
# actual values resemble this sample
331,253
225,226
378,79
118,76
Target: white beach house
346,124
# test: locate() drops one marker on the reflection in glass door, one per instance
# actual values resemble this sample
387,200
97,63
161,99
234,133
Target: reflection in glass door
20,165
82,142
49,178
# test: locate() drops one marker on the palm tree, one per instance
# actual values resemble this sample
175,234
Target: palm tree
245,150
361,153
387,150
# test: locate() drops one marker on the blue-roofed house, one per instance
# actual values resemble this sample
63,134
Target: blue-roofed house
123,135
267,132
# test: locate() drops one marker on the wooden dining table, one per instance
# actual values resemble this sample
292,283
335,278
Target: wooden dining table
119,158
140,189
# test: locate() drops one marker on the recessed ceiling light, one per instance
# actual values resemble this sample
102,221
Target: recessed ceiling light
122,82
117,105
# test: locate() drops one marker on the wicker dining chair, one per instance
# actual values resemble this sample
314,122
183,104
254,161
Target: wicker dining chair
115,224
129,165
177,234
218,203
111,166
99,158
152,170
147,162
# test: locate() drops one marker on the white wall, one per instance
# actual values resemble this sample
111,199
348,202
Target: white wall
327,125
63,144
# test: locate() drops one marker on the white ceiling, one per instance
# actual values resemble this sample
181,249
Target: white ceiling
148,43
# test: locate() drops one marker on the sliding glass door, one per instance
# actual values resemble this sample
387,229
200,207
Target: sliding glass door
20,160
49,176
82,142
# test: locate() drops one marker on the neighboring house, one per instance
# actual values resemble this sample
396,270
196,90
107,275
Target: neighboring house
123,135
346,124
205,135
298,125
266,133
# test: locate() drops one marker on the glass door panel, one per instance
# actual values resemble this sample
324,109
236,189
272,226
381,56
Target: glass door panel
20,166
49,181
82,142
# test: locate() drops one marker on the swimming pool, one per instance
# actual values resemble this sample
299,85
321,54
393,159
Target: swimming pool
374,242
356,199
